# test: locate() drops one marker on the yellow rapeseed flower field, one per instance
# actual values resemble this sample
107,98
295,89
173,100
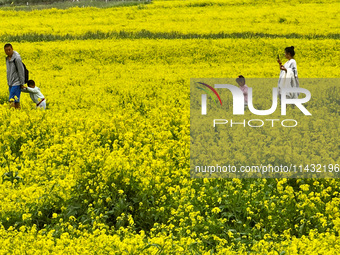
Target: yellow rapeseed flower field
105,168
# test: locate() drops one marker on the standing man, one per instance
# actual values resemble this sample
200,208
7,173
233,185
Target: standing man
15,75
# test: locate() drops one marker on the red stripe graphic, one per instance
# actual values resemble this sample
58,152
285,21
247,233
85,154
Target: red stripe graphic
213,90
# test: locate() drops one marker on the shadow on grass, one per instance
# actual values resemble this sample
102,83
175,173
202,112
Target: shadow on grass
36,37
30,5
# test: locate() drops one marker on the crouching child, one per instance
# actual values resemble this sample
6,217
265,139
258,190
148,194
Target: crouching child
35,94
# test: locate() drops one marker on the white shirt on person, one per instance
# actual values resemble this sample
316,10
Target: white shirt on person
292,65
35,94
289,79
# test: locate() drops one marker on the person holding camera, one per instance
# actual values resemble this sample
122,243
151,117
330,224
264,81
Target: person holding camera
289,74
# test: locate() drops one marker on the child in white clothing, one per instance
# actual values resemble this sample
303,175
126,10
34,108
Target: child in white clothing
242,83
35,94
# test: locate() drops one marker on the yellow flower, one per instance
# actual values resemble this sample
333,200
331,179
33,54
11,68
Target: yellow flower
216,210
26,216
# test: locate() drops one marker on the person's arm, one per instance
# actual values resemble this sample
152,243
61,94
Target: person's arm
24,89
279,61
20,68
30,90
294,68
282,67
245,94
